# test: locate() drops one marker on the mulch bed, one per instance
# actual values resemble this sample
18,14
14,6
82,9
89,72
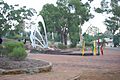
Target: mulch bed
8,64
62,52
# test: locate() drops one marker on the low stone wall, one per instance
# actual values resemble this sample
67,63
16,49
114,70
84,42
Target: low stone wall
46,68
75,78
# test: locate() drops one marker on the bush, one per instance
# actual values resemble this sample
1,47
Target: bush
116,40
2,50
72,45
62,46
10,45
88,44
18,54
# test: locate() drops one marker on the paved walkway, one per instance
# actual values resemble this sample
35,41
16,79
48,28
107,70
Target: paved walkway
106,67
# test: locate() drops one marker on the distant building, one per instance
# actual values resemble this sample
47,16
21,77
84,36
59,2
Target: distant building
109,42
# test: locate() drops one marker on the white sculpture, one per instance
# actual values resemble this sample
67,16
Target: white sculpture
36,37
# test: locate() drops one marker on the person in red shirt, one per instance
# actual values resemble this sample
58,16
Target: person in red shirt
101,49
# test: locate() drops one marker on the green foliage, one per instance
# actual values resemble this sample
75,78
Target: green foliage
10,45
15,36
50,14
73,45
88,38
58,18
18,54
81,9
74,39
111,22
107,34
2,50
57,38
12,16
98,10
90,0
62,46
89,44
116,40
13,50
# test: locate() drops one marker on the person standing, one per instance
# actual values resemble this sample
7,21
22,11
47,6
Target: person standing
101,49
1,40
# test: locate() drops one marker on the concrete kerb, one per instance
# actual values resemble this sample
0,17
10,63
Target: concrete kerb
46,68
77,77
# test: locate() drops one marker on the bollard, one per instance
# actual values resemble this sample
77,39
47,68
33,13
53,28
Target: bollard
83,47
94,48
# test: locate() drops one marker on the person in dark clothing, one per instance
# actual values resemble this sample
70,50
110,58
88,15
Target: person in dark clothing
1,40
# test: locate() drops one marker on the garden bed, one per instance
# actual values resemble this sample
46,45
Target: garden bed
63,52
26,66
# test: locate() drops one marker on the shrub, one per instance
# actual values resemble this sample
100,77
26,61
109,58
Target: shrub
10,45
73,45
115,40
18,54
62,46
89,44
2,50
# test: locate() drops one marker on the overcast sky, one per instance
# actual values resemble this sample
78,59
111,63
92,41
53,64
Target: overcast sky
38,4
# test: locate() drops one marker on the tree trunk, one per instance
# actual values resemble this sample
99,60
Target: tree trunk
61,37
65,38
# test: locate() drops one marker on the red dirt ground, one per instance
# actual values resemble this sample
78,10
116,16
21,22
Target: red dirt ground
106,67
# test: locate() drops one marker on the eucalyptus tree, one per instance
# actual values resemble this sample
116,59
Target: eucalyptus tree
111,7
112,22
51,17
4,27
12,18
62,20
54,18
79,17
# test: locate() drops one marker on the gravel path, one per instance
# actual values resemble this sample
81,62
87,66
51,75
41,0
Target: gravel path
106,67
